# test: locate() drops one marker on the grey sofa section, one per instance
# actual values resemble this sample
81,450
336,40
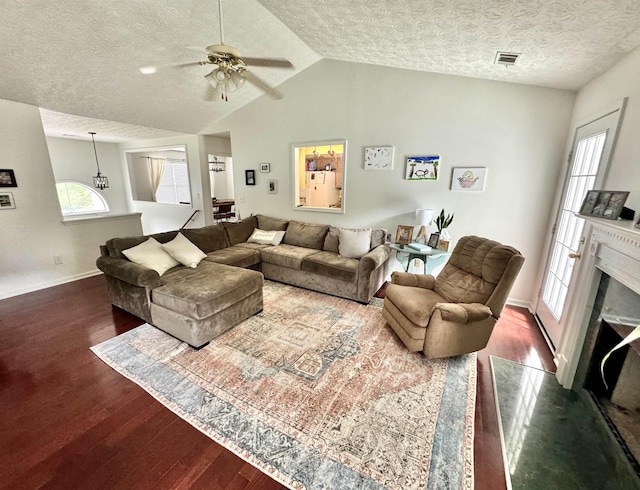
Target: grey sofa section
199,304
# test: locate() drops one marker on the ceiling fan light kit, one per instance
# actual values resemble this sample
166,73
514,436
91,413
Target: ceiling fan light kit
232,70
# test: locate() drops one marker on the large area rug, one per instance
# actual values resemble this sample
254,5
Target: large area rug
317,392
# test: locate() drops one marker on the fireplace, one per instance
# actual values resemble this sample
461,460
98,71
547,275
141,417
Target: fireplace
616,391
605,309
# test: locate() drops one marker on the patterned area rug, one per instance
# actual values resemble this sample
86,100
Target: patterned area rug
317,392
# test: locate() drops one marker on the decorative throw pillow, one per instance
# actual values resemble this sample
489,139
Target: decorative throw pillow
184,251
353,244
151,255
264,237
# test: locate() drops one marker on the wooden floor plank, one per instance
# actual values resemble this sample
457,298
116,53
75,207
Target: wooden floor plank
70,421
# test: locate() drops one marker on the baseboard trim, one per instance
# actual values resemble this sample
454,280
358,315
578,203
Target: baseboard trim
520,303
50,284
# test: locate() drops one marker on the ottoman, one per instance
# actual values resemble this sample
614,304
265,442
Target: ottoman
206,302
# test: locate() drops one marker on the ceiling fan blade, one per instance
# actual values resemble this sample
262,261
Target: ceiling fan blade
271,92
272,62
150,69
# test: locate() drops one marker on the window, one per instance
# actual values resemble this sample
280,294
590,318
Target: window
174,185
77,199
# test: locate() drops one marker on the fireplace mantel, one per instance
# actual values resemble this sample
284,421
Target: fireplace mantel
612,247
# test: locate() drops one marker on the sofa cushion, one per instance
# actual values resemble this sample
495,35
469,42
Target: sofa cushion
264,237
305,235
185,252
208,238
240,232
267,223
115,246
330,264
286,255
237,256
206,290
151,255
353,244
331,240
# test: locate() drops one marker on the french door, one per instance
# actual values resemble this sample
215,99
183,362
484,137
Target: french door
590,155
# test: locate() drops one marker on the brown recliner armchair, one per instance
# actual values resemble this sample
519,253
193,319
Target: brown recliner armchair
455,313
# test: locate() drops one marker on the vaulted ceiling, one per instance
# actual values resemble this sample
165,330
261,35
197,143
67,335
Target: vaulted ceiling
79,59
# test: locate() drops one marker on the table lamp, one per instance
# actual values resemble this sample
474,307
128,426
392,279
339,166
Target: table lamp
423,219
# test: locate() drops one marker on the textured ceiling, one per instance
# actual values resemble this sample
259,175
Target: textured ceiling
80,57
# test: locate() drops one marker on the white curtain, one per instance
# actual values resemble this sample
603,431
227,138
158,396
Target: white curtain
156,170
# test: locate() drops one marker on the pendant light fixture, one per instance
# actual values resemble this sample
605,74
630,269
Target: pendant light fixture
99,181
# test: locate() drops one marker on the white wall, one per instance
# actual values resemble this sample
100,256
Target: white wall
75,160
623,80
33,233
517,131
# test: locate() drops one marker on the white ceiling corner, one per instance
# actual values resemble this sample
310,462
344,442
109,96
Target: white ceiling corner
78,58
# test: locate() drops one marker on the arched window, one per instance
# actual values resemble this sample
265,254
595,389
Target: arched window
77,199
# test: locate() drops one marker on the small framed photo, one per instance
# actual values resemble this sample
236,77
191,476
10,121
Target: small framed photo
378,158
7,178
604,204
434,239
404,235
250,177
6,200
265,168
422,168
273,186
468,178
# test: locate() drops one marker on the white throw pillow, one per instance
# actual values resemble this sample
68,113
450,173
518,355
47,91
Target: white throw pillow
353,244
184,251
264,237
151,255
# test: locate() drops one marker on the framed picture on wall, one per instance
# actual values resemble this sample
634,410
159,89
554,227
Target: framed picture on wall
468,178
265,168
378,158
422,168
7,178
273,186
250,177
6,200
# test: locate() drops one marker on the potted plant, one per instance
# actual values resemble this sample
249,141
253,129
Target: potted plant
442,222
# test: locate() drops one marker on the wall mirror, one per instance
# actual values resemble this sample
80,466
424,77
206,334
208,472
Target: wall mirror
159,175
319,176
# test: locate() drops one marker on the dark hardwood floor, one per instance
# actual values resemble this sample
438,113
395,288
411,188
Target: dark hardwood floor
70,421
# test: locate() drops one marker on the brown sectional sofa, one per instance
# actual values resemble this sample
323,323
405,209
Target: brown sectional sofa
198,304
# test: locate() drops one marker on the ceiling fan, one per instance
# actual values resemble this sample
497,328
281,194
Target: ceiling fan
232,70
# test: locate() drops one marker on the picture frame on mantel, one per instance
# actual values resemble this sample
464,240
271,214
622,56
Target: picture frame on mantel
603,204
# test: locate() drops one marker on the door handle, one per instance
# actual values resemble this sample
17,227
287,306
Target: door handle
575,256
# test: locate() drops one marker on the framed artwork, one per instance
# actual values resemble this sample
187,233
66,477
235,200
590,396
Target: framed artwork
378,158
422,168
603,204
273,186
404,235
434,239
468,179
6,200
265,168
250,177
7,178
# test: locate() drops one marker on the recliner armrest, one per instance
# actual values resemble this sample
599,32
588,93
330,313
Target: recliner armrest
416,280
463,312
